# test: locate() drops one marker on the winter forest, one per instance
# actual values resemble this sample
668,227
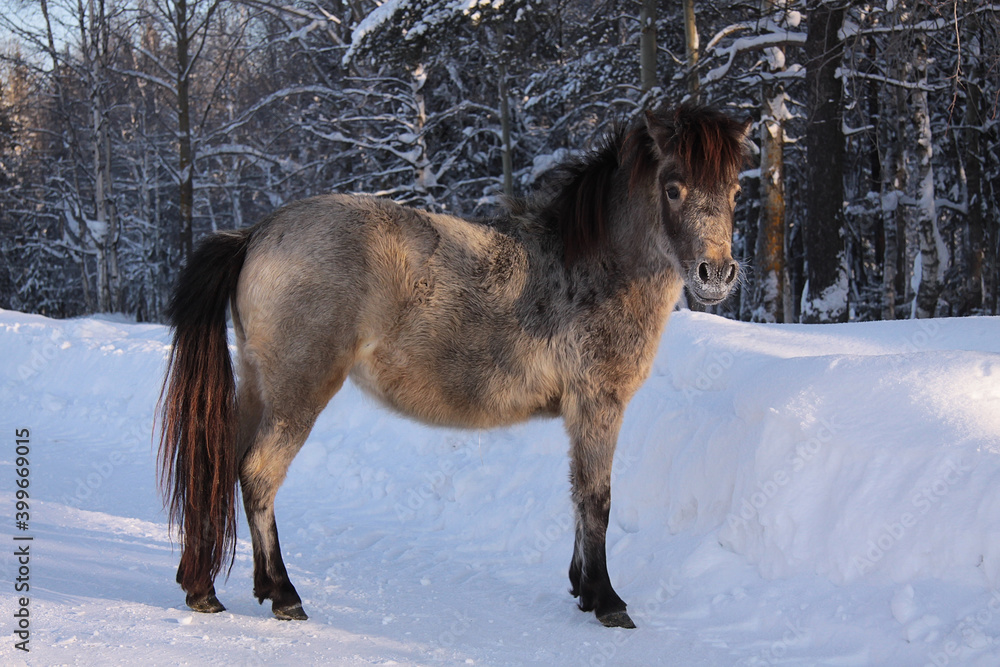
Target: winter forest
129,129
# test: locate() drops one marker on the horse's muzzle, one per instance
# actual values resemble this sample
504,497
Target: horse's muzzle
711,281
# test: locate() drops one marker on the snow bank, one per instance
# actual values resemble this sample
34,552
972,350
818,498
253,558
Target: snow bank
841,450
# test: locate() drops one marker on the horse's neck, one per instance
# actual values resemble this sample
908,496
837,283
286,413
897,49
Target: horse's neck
644,287
635,222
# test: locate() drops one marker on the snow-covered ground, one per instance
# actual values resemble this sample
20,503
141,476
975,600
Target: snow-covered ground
782,495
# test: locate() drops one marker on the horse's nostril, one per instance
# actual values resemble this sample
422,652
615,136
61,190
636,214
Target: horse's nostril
731,275
703,272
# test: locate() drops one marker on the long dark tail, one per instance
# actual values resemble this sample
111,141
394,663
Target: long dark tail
197,459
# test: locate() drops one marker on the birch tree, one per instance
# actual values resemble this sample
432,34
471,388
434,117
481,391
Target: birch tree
96,40
933,255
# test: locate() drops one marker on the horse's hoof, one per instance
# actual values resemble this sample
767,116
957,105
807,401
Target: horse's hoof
616,619
292,612
206,604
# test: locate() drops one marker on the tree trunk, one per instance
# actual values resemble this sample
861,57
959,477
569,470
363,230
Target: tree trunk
894,136
63,105
824,296
933,254
186,148
422,162
973,159
647,44
508,163
106,239
893,217
752,209
691,49
769,254
92,59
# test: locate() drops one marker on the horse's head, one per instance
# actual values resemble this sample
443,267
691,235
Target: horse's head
700,152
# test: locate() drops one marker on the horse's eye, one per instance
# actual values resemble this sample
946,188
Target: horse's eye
673,193
737,195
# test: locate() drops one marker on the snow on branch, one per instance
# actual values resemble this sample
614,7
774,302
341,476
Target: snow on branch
146,76
844,73
754,43
416,20
276,96
227,150
728,30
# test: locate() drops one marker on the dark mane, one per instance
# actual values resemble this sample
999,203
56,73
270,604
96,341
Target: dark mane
708,145
573,204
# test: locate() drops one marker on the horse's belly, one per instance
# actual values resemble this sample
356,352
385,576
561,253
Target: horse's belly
423,392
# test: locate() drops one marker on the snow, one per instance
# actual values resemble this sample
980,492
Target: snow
775,57
791,494
778,110
915,280
831,302
421,17
378,17
753,43
540,164
769,293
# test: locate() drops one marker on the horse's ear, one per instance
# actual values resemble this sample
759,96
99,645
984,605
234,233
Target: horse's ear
660,132
745,132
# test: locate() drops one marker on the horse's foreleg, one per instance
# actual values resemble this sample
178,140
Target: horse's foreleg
594,431
263,471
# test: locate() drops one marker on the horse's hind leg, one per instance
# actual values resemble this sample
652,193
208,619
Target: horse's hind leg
278,432
593,430
262,473
200,595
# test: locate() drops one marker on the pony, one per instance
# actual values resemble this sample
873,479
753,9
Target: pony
554,307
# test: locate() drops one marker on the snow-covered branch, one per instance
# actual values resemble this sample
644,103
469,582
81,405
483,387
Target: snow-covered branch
754,43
